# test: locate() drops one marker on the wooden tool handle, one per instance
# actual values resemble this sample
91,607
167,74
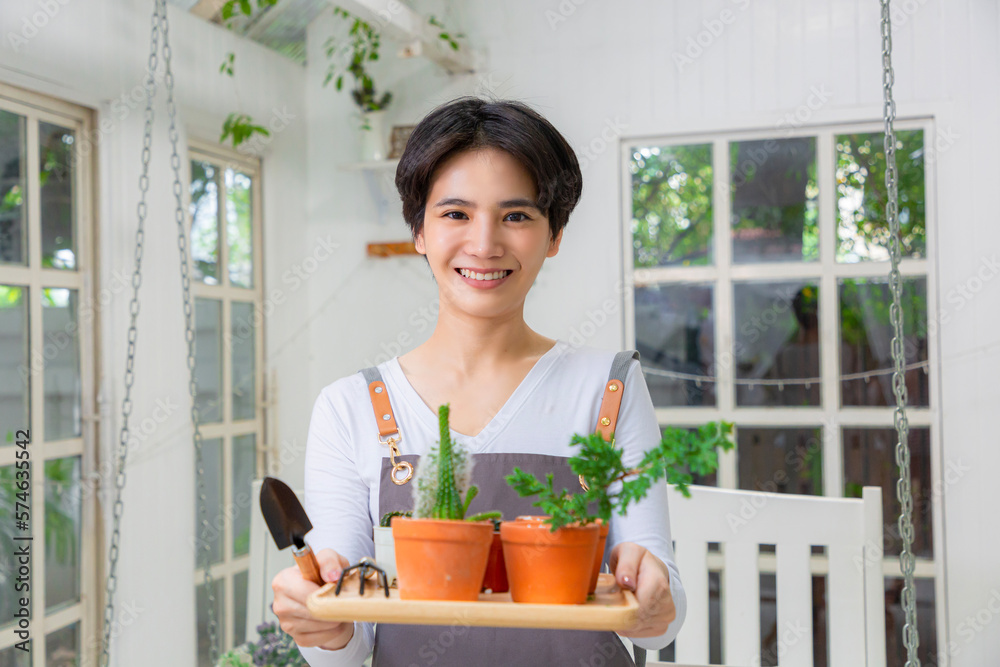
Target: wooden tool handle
308,565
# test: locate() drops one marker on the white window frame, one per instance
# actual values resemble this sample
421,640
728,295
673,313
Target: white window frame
37,107
829,416
227,429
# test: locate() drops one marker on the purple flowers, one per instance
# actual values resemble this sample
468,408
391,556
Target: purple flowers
274,648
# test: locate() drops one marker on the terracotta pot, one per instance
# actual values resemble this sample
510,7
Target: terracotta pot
496,570
602,539
440,559
546,567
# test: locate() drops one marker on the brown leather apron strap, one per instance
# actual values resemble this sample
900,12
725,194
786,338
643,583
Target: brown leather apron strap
607,416
389,433
613,389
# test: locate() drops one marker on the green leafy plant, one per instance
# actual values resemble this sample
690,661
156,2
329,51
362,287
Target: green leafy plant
361,48
443,486
386,520
273,648
241,127
612,486
444,35
364,44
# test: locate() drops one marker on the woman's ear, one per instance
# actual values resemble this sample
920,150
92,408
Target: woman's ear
554,244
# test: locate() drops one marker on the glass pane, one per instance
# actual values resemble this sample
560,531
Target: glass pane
57,195
926,622
62,531
244,361
672,205
62,382
715,617
208,359
239,228
10,568
62,647
820,623
205,222
768,620
13,212
13,657
866,336
780,460
775,195
675,334
15,382
244,472
862,230
240,607
777,338
870,460
211,452
220,622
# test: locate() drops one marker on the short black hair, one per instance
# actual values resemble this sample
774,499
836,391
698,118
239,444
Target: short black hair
472,123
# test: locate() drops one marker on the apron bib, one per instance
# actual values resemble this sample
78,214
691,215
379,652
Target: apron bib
459,645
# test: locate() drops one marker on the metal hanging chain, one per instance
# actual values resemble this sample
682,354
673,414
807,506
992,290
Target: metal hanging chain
159,27
175,164
147,141
903,491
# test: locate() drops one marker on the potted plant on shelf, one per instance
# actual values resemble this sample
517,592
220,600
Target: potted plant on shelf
361,50
440,553
611,487
385,547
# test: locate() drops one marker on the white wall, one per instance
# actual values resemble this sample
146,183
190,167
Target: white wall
589,66
92,53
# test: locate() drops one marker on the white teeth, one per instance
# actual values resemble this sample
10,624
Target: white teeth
495,275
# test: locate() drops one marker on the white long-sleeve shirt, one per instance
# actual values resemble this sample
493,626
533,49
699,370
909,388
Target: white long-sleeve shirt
559,397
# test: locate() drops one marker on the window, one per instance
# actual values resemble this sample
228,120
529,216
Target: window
757,293
227,287
47,376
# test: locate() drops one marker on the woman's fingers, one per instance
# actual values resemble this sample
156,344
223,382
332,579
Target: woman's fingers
291,589
331,564
650,580
624,562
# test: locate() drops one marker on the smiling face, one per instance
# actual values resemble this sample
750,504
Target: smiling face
483,235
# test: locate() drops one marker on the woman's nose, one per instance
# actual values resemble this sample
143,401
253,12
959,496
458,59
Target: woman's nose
484,237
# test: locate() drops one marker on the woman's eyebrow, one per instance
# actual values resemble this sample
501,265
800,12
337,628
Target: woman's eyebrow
508,203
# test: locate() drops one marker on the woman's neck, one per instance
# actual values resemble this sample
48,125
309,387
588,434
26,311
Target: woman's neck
469,346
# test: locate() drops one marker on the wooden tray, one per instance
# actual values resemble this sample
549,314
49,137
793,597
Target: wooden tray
611,609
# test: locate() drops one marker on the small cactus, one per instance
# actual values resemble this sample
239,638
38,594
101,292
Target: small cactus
386,520
442,486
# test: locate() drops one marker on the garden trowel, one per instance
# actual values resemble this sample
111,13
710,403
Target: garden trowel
288,523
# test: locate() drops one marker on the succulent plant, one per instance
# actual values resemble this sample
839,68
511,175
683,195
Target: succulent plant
442,484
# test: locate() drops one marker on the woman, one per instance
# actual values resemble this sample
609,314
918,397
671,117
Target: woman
487,188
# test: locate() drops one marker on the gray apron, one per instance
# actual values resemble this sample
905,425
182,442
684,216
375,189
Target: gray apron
458,645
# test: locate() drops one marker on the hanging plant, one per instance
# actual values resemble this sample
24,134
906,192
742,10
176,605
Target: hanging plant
362,49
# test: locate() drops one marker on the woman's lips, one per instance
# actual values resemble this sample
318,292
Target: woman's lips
484,284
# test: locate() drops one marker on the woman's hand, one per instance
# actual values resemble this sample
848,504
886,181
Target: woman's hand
638,570
290,592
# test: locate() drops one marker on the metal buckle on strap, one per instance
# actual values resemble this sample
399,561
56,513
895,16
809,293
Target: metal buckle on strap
402,471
